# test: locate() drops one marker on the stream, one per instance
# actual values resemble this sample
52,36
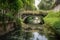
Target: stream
38,36
37,3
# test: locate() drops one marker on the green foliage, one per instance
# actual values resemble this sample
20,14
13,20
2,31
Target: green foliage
52,17
11,5
46,4
57,27
30,19
52,20
18,21
28,4
17,4
14,5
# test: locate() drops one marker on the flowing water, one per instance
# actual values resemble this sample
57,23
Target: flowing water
38,36
37,3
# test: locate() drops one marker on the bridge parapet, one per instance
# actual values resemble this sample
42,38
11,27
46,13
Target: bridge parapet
28,12
44,13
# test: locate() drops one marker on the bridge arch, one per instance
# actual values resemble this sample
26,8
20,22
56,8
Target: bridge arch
33,19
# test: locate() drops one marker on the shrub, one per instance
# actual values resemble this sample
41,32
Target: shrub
53,21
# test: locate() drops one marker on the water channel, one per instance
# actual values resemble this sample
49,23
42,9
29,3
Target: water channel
38,36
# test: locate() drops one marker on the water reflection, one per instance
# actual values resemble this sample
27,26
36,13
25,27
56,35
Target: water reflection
38,36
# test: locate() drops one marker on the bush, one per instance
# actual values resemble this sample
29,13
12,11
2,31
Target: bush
46,4
52,17
53,21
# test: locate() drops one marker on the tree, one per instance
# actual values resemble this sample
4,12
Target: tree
28,4
46,4
10,5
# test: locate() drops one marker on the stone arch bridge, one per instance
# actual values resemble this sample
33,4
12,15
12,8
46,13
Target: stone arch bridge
24,14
